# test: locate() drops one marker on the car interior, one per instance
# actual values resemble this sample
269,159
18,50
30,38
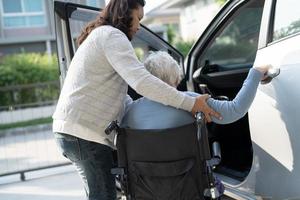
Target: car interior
220,68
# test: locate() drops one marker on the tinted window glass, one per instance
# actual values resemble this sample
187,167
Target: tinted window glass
11,6
36,20
33,5
235,44
92,3
287,18
143,42
23,13
14,21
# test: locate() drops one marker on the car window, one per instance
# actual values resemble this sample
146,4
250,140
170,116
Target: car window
287,19
142,49
143,42
235,44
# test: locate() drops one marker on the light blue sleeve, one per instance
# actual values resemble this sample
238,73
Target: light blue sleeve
127,102
238,107
146,114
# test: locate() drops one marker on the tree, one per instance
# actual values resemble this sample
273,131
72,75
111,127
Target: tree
171,34
221,2
184,47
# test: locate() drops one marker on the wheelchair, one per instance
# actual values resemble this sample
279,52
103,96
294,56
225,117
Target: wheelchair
168,164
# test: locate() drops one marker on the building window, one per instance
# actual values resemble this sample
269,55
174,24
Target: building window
23,13
92,3
96,3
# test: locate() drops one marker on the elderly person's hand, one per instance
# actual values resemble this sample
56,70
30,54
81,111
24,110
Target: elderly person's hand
263,69
201,106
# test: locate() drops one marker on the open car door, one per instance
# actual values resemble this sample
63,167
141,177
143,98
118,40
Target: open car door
221,59
71,18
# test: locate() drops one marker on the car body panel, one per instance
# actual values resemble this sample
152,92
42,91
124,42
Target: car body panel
274,121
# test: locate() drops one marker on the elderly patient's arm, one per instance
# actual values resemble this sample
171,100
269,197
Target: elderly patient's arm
238,107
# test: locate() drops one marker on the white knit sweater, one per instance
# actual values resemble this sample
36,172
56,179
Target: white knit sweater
95,88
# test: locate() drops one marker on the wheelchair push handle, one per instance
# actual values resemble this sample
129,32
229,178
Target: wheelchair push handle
199,117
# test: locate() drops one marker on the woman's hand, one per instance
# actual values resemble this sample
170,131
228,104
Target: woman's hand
263,69
201,106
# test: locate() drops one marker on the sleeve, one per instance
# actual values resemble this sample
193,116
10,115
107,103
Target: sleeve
238,107
120,54
127,102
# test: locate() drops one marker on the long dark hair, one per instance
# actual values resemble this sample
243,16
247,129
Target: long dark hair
117,14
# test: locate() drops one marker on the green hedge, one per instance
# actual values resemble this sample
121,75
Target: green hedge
184,47
33,122
28,68
221,2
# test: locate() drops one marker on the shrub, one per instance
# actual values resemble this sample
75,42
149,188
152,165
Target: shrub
184,47
171,34
221,2
29,68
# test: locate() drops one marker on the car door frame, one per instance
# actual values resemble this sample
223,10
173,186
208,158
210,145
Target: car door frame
238,190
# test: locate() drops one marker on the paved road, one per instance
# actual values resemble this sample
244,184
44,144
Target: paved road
65,186
27,149
31,149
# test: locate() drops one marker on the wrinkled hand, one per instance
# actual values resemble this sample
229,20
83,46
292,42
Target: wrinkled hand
201,106
263,69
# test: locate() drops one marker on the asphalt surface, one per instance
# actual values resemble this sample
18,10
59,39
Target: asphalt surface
33,149
53,184
28,148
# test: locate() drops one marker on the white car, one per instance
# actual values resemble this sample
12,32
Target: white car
261,151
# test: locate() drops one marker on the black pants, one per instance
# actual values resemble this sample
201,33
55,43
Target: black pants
93,162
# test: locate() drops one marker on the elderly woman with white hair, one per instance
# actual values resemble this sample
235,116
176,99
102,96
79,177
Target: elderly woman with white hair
146,114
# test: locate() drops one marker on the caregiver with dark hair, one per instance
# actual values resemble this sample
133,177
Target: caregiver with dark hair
95,93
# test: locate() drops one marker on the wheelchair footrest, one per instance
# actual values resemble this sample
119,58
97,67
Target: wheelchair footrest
212,193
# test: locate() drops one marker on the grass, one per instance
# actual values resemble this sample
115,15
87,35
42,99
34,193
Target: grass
39,121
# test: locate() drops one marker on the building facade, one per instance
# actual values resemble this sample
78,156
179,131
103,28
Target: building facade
158,21
194,15
28,25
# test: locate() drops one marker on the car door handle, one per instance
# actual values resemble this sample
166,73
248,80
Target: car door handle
272,73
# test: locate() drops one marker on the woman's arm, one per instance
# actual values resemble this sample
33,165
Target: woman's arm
120,54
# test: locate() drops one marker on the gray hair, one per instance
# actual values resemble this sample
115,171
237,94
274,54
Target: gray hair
164,67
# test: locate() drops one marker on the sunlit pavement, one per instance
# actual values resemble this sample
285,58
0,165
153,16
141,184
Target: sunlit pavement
61,183
28,149
52,184
21,152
